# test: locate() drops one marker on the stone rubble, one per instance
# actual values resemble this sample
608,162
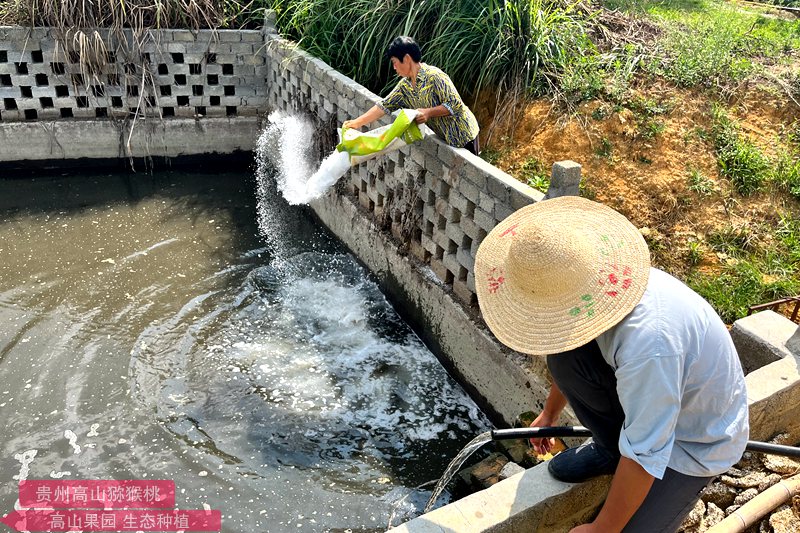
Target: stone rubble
754,474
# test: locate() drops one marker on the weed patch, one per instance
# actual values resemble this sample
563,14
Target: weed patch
739,159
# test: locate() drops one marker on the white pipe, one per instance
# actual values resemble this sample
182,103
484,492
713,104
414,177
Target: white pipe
752,511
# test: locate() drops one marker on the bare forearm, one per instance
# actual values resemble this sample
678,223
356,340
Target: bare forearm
628,490
438,111
554,404
373,114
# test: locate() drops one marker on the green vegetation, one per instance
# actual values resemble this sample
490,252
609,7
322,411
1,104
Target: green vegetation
754,271
739,159
700,183
535,174
515,47
606,149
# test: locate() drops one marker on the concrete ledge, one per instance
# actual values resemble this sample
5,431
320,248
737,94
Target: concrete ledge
764,338
106,139
529,502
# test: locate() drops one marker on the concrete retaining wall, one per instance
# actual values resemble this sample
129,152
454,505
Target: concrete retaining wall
208,86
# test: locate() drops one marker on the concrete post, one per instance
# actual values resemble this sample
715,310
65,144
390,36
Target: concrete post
270,25
565,179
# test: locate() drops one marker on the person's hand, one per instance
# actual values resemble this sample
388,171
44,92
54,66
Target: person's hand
543,445
352,124
422,116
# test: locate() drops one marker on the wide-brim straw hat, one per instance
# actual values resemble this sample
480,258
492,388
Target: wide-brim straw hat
556,274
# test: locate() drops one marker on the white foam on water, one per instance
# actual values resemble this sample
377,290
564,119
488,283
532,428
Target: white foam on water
73,439
25,458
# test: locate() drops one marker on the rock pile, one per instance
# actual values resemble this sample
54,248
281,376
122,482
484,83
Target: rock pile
754,474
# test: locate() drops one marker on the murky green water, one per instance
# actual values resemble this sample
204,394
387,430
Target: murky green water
149,330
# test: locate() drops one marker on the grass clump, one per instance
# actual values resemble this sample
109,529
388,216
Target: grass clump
517,47
700,183
535,174
741,285
787,173
739,159
754,270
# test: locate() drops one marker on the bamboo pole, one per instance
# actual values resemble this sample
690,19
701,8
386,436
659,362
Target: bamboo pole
751,512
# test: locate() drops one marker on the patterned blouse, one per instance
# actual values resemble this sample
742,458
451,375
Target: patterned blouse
435,88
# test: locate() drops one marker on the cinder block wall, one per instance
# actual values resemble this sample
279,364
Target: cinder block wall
189,74
438,201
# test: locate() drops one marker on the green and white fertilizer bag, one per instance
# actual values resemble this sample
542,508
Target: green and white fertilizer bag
355,147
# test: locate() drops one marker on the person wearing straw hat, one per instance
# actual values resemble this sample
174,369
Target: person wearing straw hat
644,362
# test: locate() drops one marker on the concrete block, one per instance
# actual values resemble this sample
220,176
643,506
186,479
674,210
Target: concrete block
470,191
438,268
49,114
454,232
183,35
177,48
463,293
434,165
458,201
518,199
427,244
763,338
466,259
469,227
440,238
251,36
486,202
445,153
474,175
498,189
244,49
565,179
502,211
484,220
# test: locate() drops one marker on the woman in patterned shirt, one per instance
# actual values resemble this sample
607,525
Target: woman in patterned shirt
428,90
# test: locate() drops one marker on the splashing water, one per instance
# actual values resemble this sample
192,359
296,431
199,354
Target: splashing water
287,146
332,168
455,465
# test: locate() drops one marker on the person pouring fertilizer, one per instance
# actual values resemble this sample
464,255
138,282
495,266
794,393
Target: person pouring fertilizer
428,90
644,362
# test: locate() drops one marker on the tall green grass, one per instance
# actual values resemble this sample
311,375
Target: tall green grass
516,47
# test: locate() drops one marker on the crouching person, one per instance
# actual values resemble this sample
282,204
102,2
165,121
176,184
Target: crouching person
644,362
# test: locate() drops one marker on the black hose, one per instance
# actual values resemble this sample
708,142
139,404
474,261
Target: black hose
580,431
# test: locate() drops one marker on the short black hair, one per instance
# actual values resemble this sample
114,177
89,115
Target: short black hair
403,45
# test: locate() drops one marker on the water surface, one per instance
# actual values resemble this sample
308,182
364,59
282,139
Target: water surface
152,329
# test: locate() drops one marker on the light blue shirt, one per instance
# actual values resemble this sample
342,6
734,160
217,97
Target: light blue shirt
680,383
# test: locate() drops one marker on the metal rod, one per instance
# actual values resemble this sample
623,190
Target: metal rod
580,431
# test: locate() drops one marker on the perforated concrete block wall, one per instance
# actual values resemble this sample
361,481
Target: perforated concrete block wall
437,201
187,74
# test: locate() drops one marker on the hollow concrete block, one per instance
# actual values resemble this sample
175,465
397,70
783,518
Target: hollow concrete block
764,338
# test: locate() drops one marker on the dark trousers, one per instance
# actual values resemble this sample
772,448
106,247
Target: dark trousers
473,146
589,385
